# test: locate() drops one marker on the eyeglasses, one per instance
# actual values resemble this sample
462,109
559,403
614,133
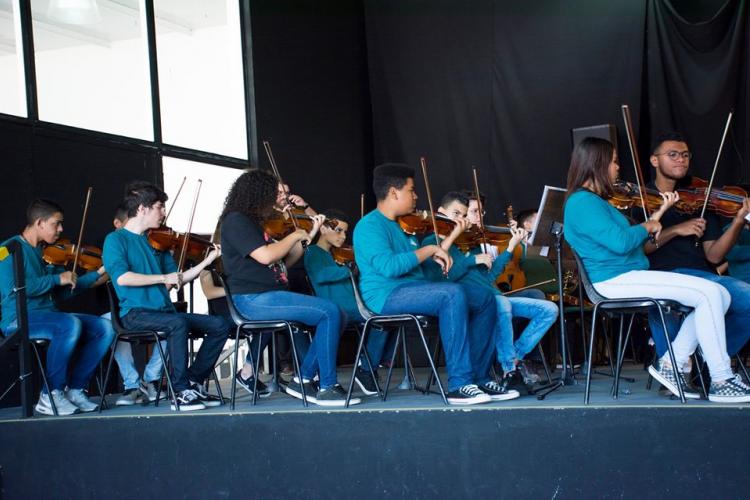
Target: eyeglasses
674,155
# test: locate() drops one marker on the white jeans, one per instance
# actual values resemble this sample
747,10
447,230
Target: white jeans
704,326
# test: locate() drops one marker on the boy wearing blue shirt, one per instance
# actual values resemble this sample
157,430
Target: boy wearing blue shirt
142,277
392,282
89,335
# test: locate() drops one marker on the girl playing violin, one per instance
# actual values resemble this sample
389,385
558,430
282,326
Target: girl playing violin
256,271
612,252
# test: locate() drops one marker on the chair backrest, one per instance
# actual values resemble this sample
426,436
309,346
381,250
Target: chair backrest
538,270
583,275
114,307
363,309
233,312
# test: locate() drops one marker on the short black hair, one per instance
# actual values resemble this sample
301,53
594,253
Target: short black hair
663,137
472,195
121,212
332,213
451,196
41,209
525,215
390,175
144,193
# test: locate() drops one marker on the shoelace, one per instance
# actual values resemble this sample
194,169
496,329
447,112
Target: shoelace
494,386
737,380
471,390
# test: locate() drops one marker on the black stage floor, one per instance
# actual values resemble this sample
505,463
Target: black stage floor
642,445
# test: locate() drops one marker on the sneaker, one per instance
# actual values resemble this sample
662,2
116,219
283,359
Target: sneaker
365,382
528,373
294,389
334,396
468,394
247,384
208,400
64,407
498,392
148,389
129,397
664,374
79,398
514,381
733,390
188,400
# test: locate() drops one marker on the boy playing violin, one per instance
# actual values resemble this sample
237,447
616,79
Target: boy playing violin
676,249
480,270
142,277
89,335
393,282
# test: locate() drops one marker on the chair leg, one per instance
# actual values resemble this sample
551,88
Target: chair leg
671,351
616,385
544,360
589,368
436,357
406,382
170,387
393,359
432,363
256,364
741,365
106,375
372,370
44,378
360,346
699,367
236,355
297,368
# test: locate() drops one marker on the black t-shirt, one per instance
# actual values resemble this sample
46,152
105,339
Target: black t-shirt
240,236
681,251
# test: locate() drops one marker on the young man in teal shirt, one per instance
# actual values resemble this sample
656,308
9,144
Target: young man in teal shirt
89,336
392,282
142,277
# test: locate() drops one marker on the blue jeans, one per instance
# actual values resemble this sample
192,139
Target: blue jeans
66,331
736,320
324,315
214,329
126,363
466,316
541,315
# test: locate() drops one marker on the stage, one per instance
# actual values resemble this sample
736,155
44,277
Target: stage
411,446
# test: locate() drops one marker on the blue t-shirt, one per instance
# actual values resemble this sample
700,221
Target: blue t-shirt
42,283
330,280
385,256
604,238
125,251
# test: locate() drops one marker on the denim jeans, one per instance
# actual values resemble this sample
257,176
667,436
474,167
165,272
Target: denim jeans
91,335
126,363
541,315
736,320
324,315
466,317
177,326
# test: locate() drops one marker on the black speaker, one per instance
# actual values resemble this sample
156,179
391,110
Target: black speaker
607,131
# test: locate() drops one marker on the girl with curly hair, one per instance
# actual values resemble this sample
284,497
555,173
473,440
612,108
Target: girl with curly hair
256,265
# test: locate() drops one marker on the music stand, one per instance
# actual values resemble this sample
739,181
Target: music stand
548,231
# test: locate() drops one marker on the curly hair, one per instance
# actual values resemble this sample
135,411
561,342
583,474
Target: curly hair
252,194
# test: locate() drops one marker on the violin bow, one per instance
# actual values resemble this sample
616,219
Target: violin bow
423,163
361,205
183,250
80,232
164,223
481,209
275,169
716,164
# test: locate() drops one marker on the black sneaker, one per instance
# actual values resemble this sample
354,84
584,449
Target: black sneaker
294,389
498,392
665,375
733,390
334,396
365,382
188,400
513,381
208,400
468,394
247,384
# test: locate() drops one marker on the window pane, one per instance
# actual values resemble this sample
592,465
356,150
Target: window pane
214,189
201,87
93,75
12,81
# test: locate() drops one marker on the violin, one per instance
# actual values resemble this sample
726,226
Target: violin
513,274
277,226
420,223
343,255
165,239
63,253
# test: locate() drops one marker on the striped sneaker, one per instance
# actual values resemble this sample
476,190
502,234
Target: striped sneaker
733,390
468,394
665,375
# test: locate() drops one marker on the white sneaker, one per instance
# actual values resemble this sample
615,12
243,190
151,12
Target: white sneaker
79,398
468,394
64,407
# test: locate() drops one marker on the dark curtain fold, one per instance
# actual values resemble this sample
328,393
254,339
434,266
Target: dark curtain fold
698,70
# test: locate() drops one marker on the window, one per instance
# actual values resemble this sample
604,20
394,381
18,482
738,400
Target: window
201,88
12,80
92,70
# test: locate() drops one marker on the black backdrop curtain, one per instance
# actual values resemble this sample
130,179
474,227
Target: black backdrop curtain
499,84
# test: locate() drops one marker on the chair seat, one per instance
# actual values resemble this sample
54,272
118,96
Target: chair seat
637,304
396,319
